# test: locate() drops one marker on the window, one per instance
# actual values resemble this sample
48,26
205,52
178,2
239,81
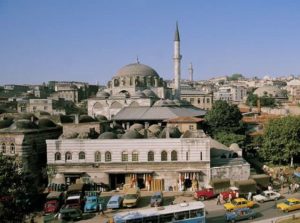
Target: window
107,156
68,156
201,156
3,148
135,156
192,100
81,156
12,148
199,101
187,155
34,108
191,127
57,156
97,156
164,156
150,156
124,156
207,100
173,155
45,108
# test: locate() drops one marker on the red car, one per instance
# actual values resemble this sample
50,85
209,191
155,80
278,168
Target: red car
233,191
204,194
54,202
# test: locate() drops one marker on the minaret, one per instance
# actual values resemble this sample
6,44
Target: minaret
191,72
177,58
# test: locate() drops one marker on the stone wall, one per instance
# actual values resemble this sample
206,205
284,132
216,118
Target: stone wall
70,128
233,172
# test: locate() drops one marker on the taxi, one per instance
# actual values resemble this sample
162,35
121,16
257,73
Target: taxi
289,204
238,203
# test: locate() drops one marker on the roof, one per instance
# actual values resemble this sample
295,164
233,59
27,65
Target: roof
136,69
157,113
177,37
185,120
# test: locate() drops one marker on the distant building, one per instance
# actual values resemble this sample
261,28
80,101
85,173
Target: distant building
198,98
231,93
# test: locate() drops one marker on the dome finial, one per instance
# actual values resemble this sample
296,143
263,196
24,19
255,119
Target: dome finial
137,59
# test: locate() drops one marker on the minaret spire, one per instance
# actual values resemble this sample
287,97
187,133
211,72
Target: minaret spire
191,72
177,60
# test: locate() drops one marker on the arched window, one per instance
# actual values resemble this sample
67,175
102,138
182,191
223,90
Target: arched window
164,156
135,156
173,155
107,156
68,156
97,156
3,148
81,155
124,156
12,148
150,156
57,156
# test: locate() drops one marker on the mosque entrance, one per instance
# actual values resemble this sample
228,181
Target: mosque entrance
116,181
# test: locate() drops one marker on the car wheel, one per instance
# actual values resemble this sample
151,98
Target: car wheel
201,198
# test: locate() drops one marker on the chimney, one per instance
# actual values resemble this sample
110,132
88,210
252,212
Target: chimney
167,132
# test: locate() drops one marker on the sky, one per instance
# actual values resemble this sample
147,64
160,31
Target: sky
90,40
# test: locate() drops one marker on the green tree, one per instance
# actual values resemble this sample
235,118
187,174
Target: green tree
224,117
281,140
229,138
15,189
235,77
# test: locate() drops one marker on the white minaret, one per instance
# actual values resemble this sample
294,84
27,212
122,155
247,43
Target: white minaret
177,58
191,72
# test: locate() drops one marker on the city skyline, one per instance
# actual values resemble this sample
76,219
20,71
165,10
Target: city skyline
91,40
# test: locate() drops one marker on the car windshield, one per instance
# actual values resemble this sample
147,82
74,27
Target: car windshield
235,202
50,205
92,200
288,203
130,196
72,201
156,197
113,202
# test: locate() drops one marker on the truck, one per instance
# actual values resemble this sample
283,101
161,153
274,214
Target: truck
217,186
131,197
262,181
75,196
54,201
246,186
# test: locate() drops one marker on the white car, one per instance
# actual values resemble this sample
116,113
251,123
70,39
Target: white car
267,195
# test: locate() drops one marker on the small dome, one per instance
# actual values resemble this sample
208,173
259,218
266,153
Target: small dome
72,135
155,129
5,123
102,94
66,119
132,134
171,102
161,103
108,135
85,118
149,93
136,126
25,124
101,118
136,69
46,123
173,132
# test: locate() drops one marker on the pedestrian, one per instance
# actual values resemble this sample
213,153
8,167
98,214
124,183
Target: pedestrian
221,198
218,200
229,198
290,189
101,209
249,196
270,187
237,194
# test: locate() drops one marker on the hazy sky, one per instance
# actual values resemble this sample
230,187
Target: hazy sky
89,40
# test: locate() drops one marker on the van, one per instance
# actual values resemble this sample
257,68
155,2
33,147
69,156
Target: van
131,197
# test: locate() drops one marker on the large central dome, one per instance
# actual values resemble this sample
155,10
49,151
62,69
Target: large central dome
136,69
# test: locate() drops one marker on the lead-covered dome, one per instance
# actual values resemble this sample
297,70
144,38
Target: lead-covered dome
136,69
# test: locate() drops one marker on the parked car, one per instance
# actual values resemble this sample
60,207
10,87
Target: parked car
131,197
210,192
54,201
115,202
156,199
238,203
240,214
289,204
70,214
267,195
92,204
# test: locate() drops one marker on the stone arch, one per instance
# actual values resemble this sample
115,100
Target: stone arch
98,106
134,104
116,104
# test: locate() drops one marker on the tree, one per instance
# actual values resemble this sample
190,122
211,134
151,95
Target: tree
15,187
281,140
224,118
229,138
235,77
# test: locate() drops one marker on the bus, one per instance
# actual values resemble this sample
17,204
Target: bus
192,212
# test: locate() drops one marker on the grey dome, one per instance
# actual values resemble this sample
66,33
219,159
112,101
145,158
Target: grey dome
24,124
136,69
173,132
136,126
101,118
102,94
85,118
132,134
155,129
234,147
108,135
5,123
46,123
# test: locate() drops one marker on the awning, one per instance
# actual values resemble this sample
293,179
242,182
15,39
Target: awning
297,174
128,171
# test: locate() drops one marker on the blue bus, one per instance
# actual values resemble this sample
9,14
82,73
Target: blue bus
192,212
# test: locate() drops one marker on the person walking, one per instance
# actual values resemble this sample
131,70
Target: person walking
290,189
229,198
101,209
249,196
218,200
